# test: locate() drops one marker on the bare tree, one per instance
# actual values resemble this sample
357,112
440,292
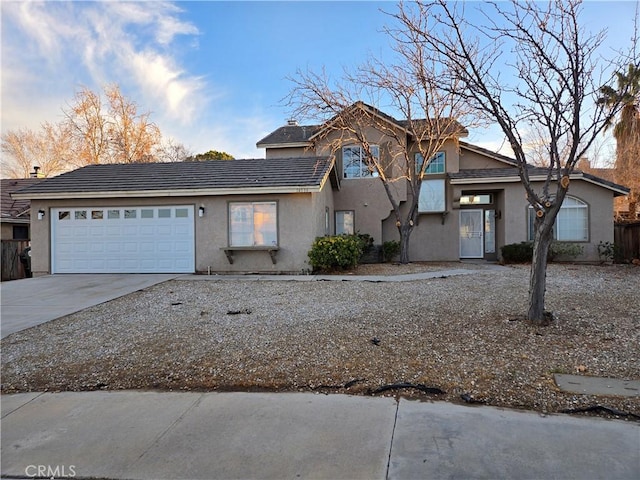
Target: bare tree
398,152
94,130
110,130
132,136
88,126
171,151
47,149
527,64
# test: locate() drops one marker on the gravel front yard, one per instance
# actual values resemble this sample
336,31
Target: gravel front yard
457,334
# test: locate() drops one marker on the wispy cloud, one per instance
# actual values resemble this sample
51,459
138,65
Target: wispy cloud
94,43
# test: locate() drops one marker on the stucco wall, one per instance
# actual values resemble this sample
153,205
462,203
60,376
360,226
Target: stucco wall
290,152
368,199
472,160
515,207
431,240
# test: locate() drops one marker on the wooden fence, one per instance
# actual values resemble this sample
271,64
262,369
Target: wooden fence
12,268
626,236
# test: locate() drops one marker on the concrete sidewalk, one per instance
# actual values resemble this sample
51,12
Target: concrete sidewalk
151,435
407,277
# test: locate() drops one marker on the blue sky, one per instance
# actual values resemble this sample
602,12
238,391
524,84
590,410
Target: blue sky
212,73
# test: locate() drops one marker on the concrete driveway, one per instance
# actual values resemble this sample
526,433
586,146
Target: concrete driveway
32,301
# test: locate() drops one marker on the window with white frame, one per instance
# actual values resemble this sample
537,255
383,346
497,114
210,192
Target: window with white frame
354,161
344,222
437,164
572,222
253,224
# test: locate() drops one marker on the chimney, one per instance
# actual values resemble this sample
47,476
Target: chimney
35,173
584,164
292,122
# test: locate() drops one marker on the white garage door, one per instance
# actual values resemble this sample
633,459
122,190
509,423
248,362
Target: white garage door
123,239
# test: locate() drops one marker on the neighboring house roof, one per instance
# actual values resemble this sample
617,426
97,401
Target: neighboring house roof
15,210
504,175
290,136
303,135
215,177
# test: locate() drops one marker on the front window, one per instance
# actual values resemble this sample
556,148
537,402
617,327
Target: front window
253,224
344,222
572,222
437,164
432,196
354,161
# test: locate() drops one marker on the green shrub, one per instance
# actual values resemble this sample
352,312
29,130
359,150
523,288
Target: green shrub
366,242
390,250
609,252
517,252
335,253
564,249
523,252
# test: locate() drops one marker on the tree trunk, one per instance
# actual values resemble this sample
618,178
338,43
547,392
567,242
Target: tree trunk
538,277
405,231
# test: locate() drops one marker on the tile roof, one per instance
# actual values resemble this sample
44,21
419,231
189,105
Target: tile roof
188,176
497,173
289,134
13,208
295,134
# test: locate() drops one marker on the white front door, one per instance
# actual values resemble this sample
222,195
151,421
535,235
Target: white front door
471,234
136,239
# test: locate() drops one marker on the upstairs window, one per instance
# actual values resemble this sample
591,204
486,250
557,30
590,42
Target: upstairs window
354,161
437,164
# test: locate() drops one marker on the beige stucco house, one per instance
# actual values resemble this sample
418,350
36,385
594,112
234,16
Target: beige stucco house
262,215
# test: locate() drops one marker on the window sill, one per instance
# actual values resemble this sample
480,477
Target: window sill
271,250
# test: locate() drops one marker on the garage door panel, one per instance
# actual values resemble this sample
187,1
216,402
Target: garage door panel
180,229
164,230
147,246
128,239
97,248
80,231
165,247
96,264
182,247
129,247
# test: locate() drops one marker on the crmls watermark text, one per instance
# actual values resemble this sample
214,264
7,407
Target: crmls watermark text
50,471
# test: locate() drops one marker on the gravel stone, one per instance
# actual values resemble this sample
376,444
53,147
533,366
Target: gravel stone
461,334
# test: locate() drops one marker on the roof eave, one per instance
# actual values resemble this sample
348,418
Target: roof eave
283,145
14,220
176,192
536,178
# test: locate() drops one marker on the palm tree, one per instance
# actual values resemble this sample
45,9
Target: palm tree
626,131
